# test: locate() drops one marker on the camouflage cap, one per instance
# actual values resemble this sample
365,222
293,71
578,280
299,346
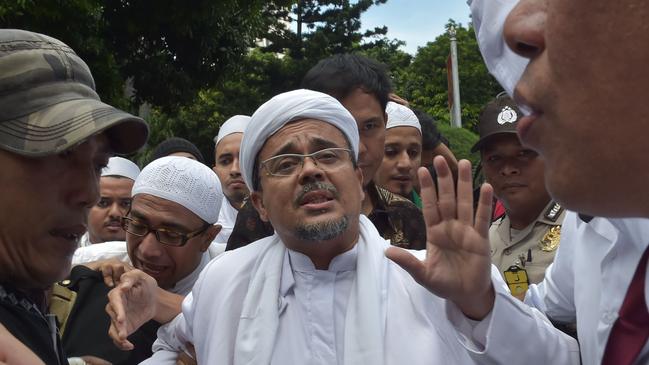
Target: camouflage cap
499,116
48,101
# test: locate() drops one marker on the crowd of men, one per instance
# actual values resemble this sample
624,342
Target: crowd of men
336,226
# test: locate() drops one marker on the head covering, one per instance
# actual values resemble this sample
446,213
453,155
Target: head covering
48,100
176,144
498,117
184,181
118,166
236,124
288,107
401,116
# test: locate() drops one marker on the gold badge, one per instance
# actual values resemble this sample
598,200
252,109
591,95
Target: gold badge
550,241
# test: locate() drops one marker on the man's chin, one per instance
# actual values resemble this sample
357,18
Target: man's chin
322,230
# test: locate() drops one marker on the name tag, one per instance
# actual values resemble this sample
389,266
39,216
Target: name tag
517,280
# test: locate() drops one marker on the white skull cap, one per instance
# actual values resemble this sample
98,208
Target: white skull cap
401,116
184,181
236,124
118,166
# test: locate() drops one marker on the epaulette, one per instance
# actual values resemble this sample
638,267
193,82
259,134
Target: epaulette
553,213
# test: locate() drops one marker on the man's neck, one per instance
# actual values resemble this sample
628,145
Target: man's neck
321,253
236,204
367,206
521,218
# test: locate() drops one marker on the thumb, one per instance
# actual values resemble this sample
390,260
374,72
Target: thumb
406,261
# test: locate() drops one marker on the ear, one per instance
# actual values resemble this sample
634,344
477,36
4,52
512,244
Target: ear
210,234
257,199
360,177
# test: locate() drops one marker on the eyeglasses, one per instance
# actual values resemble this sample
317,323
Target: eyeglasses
290,163
164,236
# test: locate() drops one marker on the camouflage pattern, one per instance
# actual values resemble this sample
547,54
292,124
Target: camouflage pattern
48,101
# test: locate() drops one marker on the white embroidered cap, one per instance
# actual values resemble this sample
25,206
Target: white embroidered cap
401,116
287,107
184,181
236,124
118,166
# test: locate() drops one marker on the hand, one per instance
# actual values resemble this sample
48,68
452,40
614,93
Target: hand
130,305
14,352
458,261
111,269
397,99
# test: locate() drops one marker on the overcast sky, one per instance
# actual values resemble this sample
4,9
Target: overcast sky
415,21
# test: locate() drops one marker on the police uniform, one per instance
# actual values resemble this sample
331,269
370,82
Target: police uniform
531,249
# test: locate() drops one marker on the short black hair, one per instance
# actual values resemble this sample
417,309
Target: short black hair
430,135
176,144
341,74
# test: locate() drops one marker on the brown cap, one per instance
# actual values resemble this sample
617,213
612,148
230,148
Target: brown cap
499,116
48,101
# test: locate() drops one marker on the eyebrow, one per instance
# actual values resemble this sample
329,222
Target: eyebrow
172,225
316,143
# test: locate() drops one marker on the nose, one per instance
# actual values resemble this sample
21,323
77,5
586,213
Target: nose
114,210
403,161
235,171
310,172
524,29
149,247
509,169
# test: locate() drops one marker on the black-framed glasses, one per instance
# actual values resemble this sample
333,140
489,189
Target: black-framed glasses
291,163
164,236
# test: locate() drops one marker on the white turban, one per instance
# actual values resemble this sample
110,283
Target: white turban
118,166
401,116
184,181
236,124
288,107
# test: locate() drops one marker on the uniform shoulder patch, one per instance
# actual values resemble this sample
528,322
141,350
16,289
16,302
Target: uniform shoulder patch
553,213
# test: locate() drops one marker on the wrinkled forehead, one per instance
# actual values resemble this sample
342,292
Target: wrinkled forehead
316,134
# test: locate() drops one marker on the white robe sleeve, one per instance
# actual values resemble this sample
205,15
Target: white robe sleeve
512,331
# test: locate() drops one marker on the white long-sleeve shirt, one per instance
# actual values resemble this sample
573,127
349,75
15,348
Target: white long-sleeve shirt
227,219
589,279
312,311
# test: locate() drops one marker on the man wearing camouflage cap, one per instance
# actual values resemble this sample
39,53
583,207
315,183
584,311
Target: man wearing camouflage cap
525,239
55,137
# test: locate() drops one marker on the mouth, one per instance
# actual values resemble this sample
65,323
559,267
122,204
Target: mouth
526,123
318,200
402,178
151,269
72,234
236,183
513,185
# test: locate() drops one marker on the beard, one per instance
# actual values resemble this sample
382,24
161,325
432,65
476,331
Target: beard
322,231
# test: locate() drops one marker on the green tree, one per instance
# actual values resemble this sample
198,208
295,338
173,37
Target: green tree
424,82
167,49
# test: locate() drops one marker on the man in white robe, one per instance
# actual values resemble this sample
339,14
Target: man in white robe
226,166
321,289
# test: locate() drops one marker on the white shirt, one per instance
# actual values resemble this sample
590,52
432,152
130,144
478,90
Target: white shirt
312,314
590,277
227,219
118,250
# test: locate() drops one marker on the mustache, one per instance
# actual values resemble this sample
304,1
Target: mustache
315,186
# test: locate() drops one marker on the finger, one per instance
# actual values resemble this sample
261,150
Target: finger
118,271
465,193
107,272
483,213
407,261
121,343
428,197
446,191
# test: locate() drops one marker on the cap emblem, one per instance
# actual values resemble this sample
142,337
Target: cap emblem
507,115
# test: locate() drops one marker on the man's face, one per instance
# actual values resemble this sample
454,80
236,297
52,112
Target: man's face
167,264
104,219
370,118
316,203
226,167
586,83
515,172
402,158
45,203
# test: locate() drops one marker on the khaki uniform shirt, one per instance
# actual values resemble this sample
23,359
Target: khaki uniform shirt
532,248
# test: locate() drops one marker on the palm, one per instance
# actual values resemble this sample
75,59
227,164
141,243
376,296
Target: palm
457,264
